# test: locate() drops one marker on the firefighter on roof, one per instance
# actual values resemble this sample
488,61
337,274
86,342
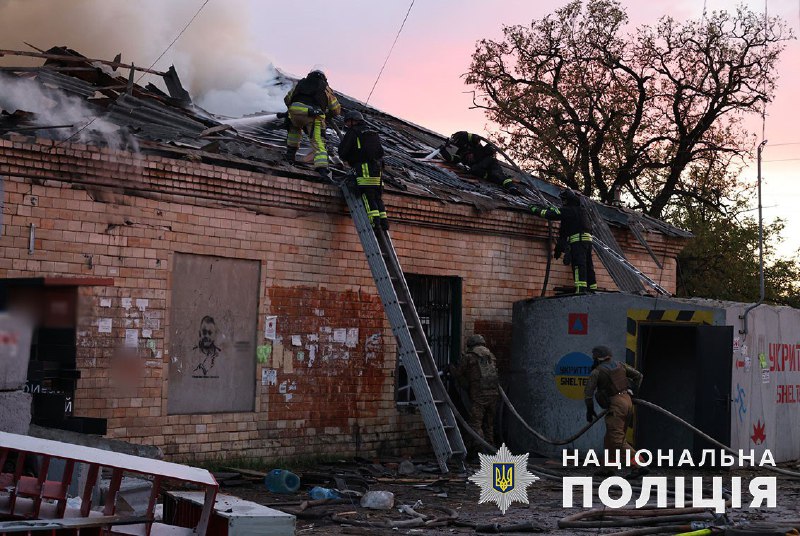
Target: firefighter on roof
309,102
361,149
576,230
478,155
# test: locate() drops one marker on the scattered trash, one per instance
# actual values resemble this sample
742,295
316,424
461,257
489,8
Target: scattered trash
407,467
378,500
282,481
318,492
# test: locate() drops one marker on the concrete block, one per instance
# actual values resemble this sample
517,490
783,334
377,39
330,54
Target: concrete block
15,351
15,412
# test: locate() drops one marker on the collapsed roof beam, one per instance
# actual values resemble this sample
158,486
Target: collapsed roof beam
76,59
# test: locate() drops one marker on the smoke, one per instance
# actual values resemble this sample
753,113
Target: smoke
56,108
215,57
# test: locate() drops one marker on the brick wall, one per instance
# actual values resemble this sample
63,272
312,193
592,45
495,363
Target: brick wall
100,213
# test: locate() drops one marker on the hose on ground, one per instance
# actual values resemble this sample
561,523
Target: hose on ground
659,409
566,441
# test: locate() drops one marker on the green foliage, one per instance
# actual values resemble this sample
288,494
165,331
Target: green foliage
721,261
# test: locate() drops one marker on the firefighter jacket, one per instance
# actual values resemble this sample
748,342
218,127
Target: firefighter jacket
361,148
469,148
575,223
316,93
610,378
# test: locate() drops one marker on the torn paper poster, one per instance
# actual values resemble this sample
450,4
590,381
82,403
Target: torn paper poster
104,325
142,304
146,333
270,327
269,377
296,340
352,338
339,335
131,338
263,352
127,303
151,320
105,302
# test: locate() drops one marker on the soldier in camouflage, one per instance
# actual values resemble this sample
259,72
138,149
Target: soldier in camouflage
477,374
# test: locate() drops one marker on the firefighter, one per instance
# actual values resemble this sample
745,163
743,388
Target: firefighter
576,231
477,374
310,101
478,155
361,149
612,383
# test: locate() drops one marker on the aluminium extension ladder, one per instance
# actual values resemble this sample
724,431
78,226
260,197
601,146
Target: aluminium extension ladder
414,352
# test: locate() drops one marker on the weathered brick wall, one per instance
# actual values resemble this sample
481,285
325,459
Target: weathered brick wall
103,214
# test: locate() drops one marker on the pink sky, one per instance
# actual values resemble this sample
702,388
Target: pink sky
422,81
233,40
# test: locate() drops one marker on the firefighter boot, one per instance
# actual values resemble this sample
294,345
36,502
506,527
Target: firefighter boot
291,152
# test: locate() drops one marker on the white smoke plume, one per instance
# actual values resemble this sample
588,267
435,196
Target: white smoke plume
214,57
57,108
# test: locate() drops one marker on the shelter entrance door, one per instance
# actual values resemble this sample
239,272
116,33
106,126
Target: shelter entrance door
687,371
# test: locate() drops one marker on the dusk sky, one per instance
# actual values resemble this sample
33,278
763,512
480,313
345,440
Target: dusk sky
231,43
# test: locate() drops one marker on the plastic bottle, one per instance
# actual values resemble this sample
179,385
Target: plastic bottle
282,481
318,492
378,500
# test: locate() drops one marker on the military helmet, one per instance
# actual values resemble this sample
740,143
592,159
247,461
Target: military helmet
600,352
475,340
353,115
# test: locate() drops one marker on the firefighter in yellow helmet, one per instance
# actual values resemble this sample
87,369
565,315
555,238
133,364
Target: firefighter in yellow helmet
310,102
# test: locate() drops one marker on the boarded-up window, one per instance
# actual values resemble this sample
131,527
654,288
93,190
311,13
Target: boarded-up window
213,322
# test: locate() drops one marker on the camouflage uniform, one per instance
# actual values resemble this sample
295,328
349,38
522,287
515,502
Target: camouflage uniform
477,373
611,382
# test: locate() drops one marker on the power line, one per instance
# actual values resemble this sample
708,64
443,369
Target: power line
390,51
176,38
783,160
95,118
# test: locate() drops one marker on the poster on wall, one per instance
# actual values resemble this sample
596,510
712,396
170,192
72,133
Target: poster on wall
212,336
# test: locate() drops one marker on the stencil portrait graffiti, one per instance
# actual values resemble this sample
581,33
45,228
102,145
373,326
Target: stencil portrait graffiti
206,347
213,323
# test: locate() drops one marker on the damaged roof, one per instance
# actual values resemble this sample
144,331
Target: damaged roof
100,102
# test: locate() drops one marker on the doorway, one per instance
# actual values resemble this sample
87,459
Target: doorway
687,371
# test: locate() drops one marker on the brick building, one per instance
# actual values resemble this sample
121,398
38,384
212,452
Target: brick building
217,302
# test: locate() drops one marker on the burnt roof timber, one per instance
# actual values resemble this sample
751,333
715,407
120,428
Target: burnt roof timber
77,59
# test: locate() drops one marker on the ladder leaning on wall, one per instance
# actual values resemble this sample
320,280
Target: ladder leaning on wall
413,349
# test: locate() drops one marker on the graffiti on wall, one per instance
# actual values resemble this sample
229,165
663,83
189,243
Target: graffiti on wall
739,401
759,435
206,349
212,334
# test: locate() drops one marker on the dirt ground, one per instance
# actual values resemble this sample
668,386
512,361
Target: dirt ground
428,491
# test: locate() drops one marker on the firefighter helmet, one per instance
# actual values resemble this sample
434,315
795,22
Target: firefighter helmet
475,340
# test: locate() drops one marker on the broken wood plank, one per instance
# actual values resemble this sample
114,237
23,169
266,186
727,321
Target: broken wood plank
245,472
76,59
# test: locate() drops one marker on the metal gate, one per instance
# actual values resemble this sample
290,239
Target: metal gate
438,303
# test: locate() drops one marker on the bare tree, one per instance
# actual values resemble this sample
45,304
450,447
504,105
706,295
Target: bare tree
646,114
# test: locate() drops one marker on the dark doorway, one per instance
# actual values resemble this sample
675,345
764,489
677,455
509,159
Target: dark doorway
437,300
52,368
687,371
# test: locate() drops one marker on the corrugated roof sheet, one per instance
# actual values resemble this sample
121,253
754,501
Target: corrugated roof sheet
150,114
